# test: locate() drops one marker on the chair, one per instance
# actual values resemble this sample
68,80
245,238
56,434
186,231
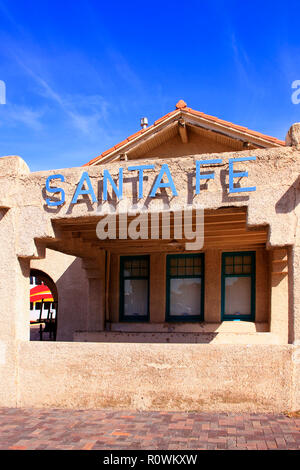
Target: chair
40,320
50,321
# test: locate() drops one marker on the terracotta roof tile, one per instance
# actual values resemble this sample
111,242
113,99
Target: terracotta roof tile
164,117
134,135
235,126
106,152
92,161
121,143
181,106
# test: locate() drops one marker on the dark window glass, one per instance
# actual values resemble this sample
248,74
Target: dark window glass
238,286
185,287
134,288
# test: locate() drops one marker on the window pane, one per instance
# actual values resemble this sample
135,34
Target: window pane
238,269
135,268
247,269
181,271
196,260
173,271
127,268
187,266
238,296
229,269
185,297
135,297
238,260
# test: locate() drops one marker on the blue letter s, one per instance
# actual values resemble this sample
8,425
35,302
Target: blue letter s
55,190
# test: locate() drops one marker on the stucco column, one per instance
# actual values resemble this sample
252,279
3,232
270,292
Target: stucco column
157,287
294,267
95,270
14,282
279,320
212,294
14,307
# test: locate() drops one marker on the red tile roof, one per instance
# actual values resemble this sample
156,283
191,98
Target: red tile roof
181,106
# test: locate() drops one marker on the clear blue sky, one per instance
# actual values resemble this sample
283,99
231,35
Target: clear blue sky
80,74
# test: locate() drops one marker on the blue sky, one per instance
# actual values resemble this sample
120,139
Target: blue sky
80,74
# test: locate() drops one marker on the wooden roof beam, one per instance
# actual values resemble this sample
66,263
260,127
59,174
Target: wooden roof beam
182,128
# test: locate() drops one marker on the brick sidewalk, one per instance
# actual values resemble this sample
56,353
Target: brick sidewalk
90,429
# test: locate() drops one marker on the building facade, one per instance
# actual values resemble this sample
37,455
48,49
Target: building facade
175,256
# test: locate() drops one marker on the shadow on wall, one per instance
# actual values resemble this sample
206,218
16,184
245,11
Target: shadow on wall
291,198
187,333
147,338
72,289
286,204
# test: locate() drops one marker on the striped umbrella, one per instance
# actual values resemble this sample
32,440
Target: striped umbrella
39,293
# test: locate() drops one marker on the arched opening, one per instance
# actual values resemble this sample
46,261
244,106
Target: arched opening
43,306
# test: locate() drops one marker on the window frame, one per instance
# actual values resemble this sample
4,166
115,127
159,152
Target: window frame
184,318
133,318
252,275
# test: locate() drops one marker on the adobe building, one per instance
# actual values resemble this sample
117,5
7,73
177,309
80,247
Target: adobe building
145,321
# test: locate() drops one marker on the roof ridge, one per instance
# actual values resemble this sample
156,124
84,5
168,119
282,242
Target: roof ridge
234,126
181,106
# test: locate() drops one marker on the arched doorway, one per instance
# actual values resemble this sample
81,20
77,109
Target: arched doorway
43,306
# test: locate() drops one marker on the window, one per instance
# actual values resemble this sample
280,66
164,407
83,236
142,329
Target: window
238,286
185,287
134,288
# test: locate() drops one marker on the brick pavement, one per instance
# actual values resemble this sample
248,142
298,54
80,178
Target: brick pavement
106,429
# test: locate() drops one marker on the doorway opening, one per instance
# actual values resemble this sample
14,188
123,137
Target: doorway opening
43,306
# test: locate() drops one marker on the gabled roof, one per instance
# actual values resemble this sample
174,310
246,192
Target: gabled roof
205,121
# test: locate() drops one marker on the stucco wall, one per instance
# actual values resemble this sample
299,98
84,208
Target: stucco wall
156,376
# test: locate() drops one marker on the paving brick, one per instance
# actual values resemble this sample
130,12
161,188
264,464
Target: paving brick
22,429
